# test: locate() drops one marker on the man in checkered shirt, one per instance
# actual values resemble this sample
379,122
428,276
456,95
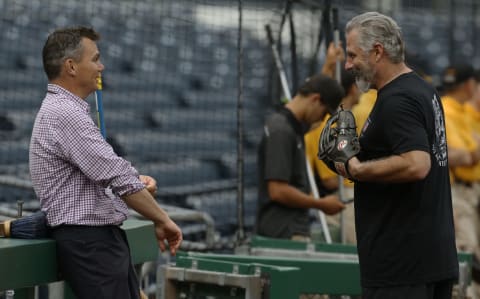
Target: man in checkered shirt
83,186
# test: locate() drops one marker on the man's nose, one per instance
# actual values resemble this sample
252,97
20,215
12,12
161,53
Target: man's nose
348,65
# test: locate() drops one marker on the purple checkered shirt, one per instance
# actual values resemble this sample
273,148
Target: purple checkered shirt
75,173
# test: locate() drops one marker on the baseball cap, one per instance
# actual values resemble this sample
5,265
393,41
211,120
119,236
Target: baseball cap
457,74
329,89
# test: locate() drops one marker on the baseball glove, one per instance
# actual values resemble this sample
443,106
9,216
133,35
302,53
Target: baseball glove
339,142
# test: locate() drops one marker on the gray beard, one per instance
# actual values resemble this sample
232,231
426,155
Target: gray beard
362,84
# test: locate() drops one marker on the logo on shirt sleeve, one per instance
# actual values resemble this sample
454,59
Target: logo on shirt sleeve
439,146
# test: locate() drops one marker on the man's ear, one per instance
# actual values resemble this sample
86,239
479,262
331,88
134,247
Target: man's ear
70,67
378,50
316,97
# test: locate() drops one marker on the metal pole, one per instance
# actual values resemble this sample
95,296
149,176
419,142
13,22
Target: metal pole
278,63
474,27
293,53
338,77
99,105
451,44
240,161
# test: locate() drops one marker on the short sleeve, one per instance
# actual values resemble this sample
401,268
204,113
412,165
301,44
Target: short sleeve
405,125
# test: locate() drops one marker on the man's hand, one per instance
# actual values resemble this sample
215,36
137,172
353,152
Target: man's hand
339,142
150,184
330,204
170,232
333,55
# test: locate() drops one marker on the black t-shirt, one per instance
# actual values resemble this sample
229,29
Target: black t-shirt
405,231
281,156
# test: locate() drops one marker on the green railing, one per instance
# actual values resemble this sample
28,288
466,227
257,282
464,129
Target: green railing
28,263
274,268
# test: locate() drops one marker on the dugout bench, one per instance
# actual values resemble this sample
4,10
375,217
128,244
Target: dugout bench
274,269
25,264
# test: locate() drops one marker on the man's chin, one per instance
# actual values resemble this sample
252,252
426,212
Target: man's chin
362,84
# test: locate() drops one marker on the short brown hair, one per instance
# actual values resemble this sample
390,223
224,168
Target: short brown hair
330,90
63,44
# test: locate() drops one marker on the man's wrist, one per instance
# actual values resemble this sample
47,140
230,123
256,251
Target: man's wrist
351,168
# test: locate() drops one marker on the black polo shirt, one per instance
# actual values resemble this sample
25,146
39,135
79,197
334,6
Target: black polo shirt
281,156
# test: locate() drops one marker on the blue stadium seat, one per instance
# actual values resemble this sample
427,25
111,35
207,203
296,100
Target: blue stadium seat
141,81
13,152
137,100
16,79
183,172
23,122
19,170
216,120
229,164
222,99
150,145
222,206
123,120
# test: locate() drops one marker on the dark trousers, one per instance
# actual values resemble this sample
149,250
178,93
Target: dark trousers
434,290
96,262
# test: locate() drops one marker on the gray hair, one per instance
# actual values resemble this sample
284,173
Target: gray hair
374,27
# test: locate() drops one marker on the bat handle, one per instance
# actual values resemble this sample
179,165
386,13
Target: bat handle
99,102
336,40
19,208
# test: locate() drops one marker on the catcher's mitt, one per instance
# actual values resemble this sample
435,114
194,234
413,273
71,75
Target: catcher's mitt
339,142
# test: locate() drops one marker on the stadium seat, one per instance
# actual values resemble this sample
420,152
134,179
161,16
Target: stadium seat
215,120
22,121
229,164
183,172
19,79
217,99
222,206
13,152
138,100
150,145
124,120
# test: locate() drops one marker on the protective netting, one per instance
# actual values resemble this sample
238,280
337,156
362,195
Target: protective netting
171,81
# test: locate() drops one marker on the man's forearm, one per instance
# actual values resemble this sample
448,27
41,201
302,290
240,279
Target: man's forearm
407,167
290,196
459,157
144,203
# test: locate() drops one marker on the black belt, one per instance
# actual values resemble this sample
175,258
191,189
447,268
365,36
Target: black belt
66,231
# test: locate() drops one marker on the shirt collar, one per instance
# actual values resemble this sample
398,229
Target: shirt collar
299,127
58,90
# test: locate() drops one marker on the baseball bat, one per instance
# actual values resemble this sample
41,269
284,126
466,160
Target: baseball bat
278,63
33,226
336,41
338,77
286,91
293,53
99,105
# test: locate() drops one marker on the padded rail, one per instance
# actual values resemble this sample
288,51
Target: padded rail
27,263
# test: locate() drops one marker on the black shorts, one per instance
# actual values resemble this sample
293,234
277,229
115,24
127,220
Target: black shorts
434,290
96,262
